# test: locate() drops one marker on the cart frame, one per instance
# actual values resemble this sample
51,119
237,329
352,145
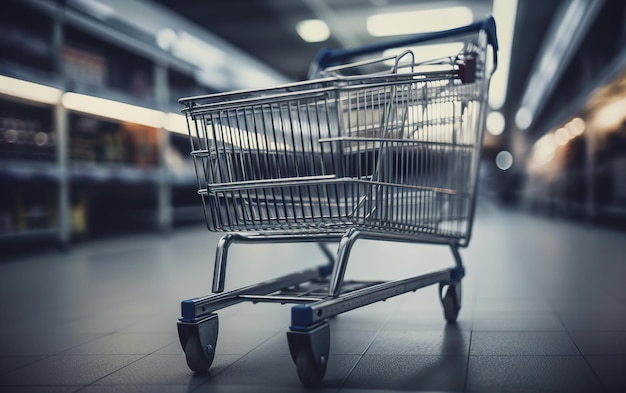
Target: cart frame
321,292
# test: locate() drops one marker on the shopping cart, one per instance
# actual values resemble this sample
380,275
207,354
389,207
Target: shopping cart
385,149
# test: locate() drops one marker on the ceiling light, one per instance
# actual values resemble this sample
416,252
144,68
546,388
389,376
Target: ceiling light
523,118
421,21
562,136
495,123
504,160
544,149
165,38
313,30
576,126
610,116
198,52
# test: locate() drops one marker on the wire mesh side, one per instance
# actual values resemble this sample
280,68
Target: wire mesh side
413,143
392,153
263,167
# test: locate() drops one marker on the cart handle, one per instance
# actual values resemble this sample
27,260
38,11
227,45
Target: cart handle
328,57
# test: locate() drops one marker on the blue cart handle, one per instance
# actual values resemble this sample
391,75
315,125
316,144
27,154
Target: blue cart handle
328,57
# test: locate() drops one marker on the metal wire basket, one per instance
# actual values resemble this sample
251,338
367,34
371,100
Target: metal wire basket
394,151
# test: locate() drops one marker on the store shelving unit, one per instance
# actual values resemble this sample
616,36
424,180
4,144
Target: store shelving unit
69,168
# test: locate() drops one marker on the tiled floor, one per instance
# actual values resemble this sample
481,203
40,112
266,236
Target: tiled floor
544,309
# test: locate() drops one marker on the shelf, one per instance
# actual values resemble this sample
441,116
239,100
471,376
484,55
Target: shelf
29,170
28,234
182,178
106,102
189,213
123,173
47,170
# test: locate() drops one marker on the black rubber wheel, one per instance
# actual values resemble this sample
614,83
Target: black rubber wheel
451,302
310,371
195,355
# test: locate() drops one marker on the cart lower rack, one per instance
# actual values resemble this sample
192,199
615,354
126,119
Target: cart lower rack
347,155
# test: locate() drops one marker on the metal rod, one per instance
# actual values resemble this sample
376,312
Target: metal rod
332,306
195,308
279,299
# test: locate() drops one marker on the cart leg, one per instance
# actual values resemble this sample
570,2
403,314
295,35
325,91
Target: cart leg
341,262
457,259
309,350
221,254
450,292
199,340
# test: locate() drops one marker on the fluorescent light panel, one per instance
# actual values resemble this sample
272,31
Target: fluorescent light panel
175,123
505,14
570,25
29,91
420,21
112,109
96,106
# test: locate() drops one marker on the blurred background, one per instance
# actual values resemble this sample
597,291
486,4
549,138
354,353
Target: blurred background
92,142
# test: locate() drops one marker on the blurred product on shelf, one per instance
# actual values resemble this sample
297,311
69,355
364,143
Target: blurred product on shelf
93,140
80,217
7,222
83,67
144,144
24,138
33,212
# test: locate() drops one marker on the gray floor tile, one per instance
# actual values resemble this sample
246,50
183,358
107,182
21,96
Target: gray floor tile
360,390
415,342
486,307
67,370
610,370
522,343
173,348
347,342
366,319
165,370
43,343
107,313
409,372
530,374
10,363
124,344
342,342
159,324
599,303
600,343
240,342
258,369
41,389
209,388
138,389
518,322
595,321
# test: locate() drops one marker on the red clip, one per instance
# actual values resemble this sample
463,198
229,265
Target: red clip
467,69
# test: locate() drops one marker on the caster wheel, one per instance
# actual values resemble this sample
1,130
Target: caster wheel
451,301
195,355
310,371
309,351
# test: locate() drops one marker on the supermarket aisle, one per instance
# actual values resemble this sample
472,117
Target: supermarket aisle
544,310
